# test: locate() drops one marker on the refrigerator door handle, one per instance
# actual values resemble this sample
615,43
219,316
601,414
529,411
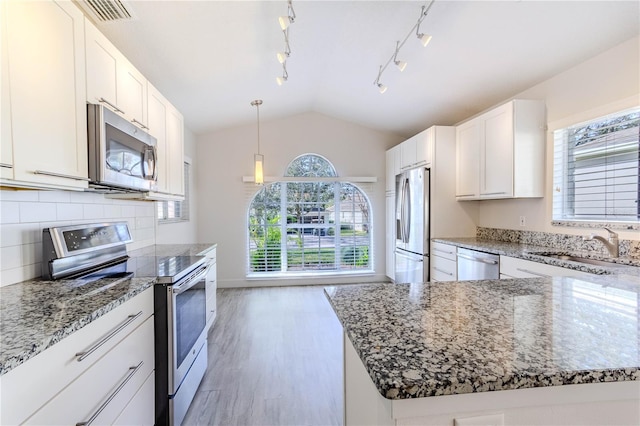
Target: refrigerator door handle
407,204
402,219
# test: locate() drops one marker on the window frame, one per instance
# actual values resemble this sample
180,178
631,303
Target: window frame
560,176
339,267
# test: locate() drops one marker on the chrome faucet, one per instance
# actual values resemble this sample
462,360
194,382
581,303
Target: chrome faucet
611,242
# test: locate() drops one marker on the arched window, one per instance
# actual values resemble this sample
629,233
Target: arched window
312,225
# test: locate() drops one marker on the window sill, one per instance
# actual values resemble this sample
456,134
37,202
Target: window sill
624,226
307,274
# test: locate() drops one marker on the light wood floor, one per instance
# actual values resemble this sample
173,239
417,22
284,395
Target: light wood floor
275,358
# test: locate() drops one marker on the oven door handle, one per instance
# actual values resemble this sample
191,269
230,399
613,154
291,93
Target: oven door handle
193,279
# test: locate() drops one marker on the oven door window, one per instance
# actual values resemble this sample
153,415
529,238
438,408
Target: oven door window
190,319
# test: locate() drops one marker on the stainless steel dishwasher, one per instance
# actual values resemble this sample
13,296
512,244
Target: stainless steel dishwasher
477,265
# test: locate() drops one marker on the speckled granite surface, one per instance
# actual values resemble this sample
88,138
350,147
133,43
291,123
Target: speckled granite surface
36,314
621,265
421,340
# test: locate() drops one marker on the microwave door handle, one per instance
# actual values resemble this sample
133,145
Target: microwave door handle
150,173
155,164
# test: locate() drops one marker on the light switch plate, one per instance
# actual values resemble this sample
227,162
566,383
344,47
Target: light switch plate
489,420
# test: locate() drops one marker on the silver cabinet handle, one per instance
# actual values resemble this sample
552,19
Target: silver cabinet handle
526,271
116,109
126,322
139,124
465,195
60,175
444,272
492,193
478,259
132,370
6,165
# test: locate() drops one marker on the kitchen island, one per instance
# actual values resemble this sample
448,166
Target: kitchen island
542,351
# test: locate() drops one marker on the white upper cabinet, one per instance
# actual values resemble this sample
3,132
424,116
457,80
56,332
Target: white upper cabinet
45,101
112,80
392,158
6,145
166,125
500,154
416,151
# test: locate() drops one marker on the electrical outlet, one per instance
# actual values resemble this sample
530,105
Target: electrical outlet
523,221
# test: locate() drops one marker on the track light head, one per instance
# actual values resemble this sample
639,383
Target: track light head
424,39
284,21
281,80
282,56
401,65
381,88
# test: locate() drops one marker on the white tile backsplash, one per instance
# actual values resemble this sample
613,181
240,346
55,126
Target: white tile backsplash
24,214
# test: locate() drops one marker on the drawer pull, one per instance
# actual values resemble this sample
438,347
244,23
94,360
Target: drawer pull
465,195
134,121
442,251
129,320
6,165
492,193
132,370
116,109
60,175
526,271
443,271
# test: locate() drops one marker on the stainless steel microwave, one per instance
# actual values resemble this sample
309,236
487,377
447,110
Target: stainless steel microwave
121,155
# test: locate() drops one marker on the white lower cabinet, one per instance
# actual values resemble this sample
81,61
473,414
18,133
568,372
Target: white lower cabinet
60,385
101,393
511,267
211,287
444,264
140,410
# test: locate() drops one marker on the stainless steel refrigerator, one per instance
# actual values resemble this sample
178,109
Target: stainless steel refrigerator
412,226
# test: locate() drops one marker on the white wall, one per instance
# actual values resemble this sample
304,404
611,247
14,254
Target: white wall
600,85
184,232
25,213
227,155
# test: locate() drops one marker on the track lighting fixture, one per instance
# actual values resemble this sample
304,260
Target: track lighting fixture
424,39
258,159
400,64
285,21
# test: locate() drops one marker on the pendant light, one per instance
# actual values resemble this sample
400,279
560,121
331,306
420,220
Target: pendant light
258,159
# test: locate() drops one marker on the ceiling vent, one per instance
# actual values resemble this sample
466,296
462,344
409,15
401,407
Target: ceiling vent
108,10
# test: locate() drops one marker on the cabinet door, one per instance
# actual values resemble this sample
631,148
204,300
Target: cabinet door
390,240
47,89
496,154
102,67
408,153
391,161
175,143
467,165
141,408
424,146
6,142
132,93
211,287
157,120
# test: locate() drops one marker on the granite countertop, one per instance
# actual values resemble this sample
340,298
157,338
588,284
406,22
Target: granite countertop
429,339
36,314
620,265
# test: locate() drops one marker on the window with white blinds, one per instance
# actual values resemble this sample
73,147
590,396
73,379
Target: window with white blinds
596,170
174,211
309,226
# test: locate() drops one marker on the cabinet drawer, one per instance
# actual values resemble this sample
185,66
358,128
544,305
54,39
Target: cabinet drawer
141,408
443,269
56,367
106,388
520,268
443,250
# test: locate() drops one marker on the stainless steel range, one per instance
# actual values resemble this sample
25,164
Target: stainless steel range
99,250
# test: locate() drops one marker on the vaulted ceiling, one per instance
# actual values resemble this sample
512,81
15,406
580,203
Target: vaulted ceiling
212,58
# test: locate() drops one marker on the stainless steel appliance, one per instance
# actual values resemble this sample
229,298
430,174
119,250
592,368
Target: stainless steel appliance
121,154
90,252
412,226
477,265
181,340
